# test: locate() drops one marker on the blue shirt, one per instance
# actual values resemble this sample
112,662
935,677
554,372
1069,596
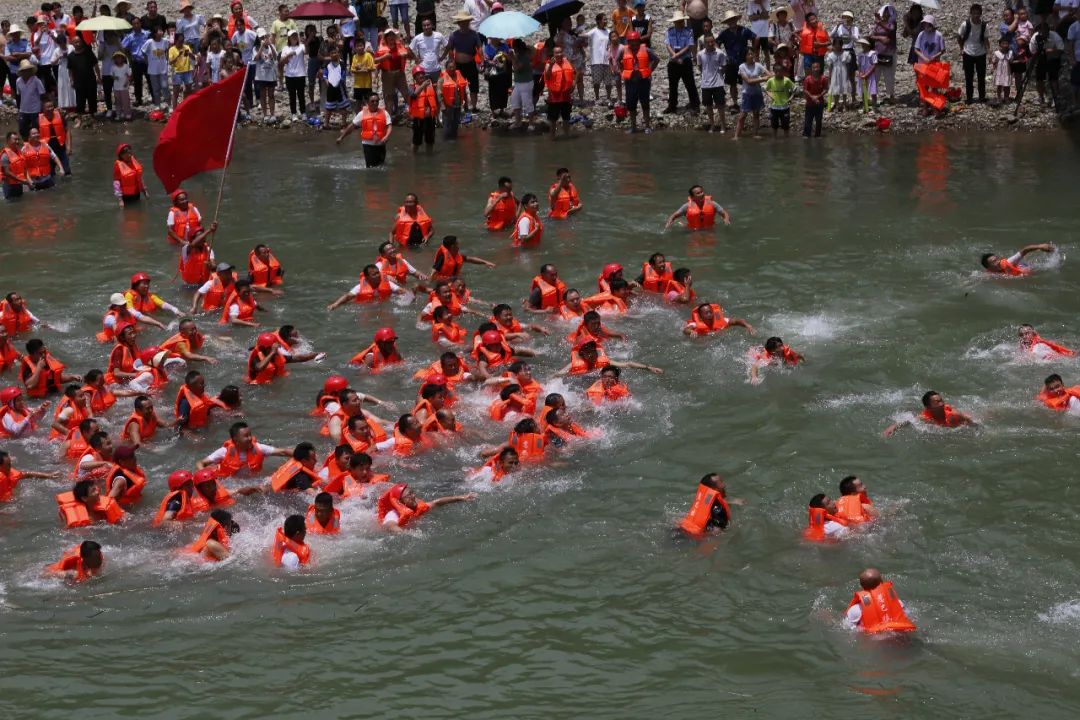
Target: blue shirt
133,43
22,45
678,39
736,42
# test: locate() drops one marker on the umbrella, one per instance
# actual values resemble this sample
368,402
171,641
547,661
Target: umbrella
932,4
320,11
104,22
508,24
554,12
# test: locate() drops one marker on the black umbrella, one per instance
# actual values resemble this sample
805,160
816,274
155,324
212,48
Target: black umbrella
554,12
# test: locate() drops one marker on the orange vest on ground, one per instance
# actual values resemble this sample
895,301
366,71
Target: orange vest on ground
850,509
405,514
199,406
14,321
8,482
578,366
287,472
193,343
282,543
264,274
951,418
233,463
550,295
453,86
639,61
815,527
372,125
247,308
130,177
77,514
1061,402
147,427
451,263
38,160
881,610
16,165
529,446
72,561
72,423
100,400
655,281
700,327
136,481
186,223
564,199
535,223
697,519
211,531
379,360
48,381
186,511
700,217
215,296
598,393
453,332
314,526
423,100
369,293
54,128
503,214
404,222
276,368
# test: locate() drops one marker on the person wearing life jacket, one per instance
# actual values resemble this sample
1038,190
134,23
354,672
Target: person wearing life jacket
823,523
140,298
593,328
128,185
289,550
519,373
552,401
587,356
240,306
373,287
491,351
241,454
412,226
528,228
40,372
511,401
679,289
423,109
10,477
451,369
655,274
563,196
547,291
213,542
375,126
322,517
13,167
54,130
451,89
609,388
854,506
335,463
299,472
443,421
350,404
559,428
119,315
432,400
264,270
444,331
611,271
176,505
143,423
15,316
73,408
498,467
151,371
209,493
615,301
97,459
326,402
1044,349
635,63
239,20
935,412
527,439
184,221
393,266
501,209
380,353
449,260
125,480
195,264
356,479
264,362
700,211
79,563
16,420
399,506
875,608
409,437
1056,396
774,352
572,307
559,78
710,513
510,327
288,338
444,296
358,433
40,161
1012,265
76,443
709,318
186,342
9,356
193,404
124,356
214,291
84,505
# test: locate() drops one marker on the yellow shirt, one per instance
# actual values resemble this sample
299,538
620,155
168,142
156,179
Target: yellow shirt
179,61
620,21
363,65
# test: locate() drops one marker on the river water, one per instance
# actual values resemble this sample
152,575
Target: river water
561,594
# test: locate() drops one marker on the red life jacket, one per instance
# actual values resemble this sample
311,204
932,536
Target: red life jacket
529,446
373,125
8,483
564,200
194,343
454,88
232,463
213,530
215,296
49,380
38,160
598,393
186,511
849,508
247,307
77,514
951,420
697,519
1059,402
395,268
100,400
639,61
72,561
53,128
146,427
379,360
16,166
451,262
881,610
391,500
578,366
314,526
77,416
276,368
129,177
535,223
368,293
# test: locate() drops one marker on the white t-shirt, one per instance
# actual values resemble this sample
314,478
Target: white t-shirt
356,288
1066,7
976,37
524,225
15,429
121,75
219,454
758,27
835,530
750,72
386,118
215,63
598,46
391,518
1074,38
294,57
157,56
427,49
245,43
290,560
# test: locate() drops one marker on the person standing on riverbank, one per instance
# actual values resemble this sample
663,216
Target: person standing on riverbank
813,43
680,67
974,46
736,41
711,60
559,80
636,64
815,90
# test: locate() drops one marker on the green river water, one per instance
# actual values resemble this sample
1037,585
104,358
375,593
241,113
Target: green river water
561,594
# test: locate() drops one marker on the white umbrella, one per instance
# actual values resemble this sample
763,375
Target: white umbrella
104,22
932,4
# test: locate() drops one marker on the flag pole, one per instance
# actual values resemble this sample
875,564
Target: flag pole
229,149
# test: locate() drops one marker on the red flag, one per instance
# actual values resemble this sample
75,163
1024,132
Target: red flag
198,135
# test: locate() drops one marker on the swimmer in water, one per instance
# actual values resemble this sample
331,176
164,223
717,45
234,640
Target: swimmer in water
710,512
1056,396
373,287
775,352
80,563
709,318
935,412
16,420
10,477
497,467
609,388
322,517
700,211
1012,265
875,608
593,328
241,453
186,341
213,541
399,506
1030,342
289,550
824,523
854,506
587,356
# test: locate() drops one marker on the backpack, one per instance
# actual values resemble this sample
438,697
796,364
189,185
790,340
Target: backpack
965,30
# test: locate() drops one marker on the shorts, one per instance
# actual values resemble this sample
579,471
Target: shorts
471,73
713,96
261,85
752,101
1047,68
780,118
731,74
764,45
556,110
601,75
521,98
360,95
313,66
184,78
637,90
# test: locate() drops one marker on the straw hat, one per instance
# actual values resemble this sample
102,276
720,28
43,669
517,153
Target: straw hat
27,65
863,41
679,16
847,14
186,4
731,15
14,29
782,9
120,53
929,20
462,16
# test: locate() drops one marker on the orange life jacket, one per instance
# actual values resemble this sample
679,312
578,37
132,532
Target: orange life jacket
289,469
100,400
50,379
436,369
136,481
522,404
405,514
1060,402
453,332
1007,268
264,274
434,303
881,610
850,509
120,318
38,160
377,433
432,425
16,166
815,527
581,331
702,216
451,262
559,78
491,358
77,445
368,293
186,223
598,393
392,59
568,313
276,368
282,543
655,281
503,214
497,473
186,511
53,128
147,427
529,446
215,296
605,302
131,182
578,366
395,268
564,199
72,423
1059,349
372,125
16,416
245,23
314,526
639,61
697,519
72,561
198,406
14,321
121,358
535,223
232,463
345,485
247,307
550,295
77,514
200,503
143,303
454,86
404,222
195,342
787,356
212,530
674,286
552,433
379,360
8,482
952,419
422,100
8,355
406,446
700,327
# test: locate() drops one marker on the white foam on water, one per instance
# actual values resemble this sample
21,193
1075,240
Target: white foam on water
806,326
1066,613
882,398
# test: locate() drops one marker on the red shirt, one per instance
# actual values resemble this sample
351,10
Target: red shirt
815,87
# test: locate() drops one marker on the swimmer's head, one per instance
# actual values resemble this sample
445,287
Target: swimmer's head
305,454
931,400
434,394
823,501
324,508
195,382
714,481
503,314
592,323
90,552
342,455
1026,333
508,459
225,519
450,363
102,443
1055,386
525,426
554,400
549,273
409,426
444,292
240,434
851,485
294,528
869,578
990,261
230,396
774,346
85,491
506,184
682,276
609,376
572,299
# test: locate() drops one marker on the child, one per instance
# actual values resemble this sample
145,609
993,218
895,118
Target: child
266,75
156,52
182,62
121,74
214,57
228,65
815,87
783,64
1018,66
333,77
836,69
614,45
1000,63
363,70
866,67
779,88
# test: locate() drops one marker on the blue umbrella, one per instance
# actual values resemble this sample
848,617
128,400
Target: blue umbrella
554,11
508,24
